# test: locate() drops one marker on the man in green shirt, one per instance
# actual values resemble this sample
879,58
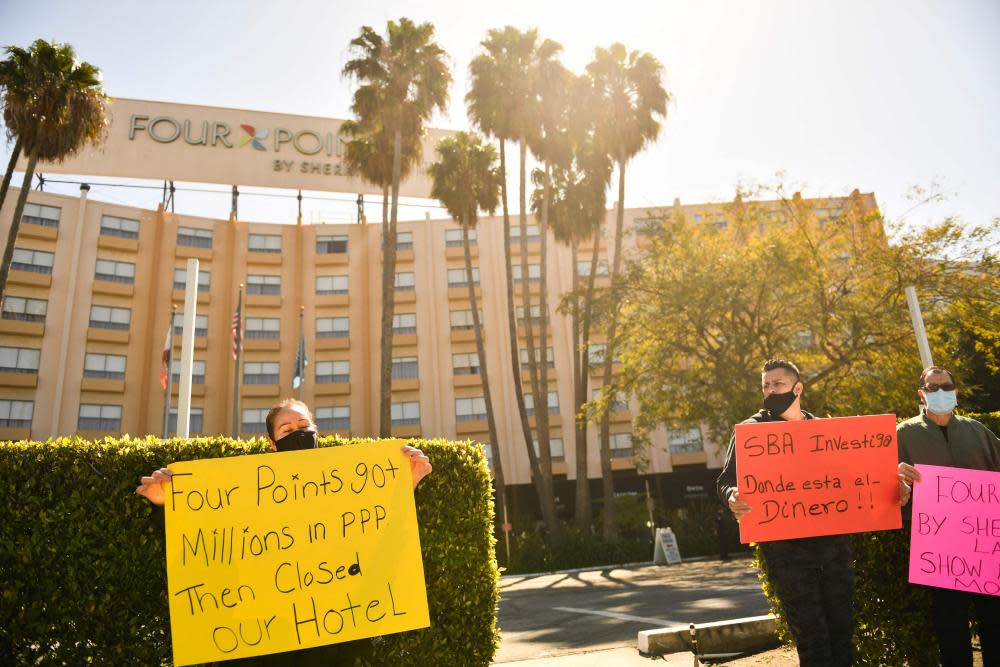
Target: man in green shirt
937,436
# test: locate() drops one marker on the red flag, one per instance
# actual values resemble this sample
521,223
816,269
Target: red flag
168,348
238,326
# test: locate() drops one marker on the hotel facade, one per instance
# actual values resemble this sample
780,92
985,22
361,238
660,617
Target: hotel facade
93,284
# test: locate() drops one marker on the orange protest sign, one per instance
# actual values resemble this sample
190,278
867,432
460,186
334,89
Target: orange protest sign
817,477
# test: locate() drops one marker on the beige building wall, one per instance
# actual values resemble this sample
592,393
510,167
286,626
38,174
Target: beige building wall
60,385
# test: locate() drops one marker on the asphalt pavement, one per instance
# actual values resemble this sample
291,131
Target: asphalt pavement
559,614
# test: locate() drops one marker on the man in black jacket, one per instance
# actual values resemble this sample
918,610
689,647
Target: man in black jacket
813,577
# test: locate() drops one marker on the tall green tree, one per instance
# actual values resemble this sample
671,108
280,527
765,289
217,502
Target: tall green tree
706,305
404,78
14,72
503,103
630,101
466,180
368,154
55,105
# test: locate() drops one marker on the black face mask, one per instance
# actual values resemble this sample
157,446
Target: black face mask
776,404
296,440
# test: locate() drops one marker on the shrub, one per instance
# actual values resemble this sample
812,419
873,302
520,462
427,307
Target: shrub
82,557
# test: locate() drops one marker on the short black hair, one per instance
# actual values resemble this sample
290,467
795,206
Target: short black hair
935,369
273,413
774,364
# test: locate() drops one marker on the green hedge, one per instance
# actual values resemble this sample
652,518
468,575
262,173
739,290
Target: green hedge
82,557
892,617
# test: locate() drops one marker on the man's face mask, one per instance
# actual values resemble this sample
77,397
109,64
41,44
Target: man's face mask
776,404
941,402
296,440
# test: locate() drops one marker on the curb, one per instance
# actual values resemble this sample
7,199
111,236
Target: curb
598,568
739,635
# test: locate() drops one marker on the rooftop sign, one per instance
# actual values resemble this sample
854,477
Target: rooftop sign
184,142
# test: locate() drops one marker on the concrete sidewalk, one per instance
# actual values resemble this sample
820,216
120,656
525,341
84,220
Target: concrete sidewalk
630,657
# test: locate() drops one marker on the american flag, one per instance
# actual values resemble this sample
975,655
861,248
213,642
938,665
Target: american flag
301,361
238,326
167,351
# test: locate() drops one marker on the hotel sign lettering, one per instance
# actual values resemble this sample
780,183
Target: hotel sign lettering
184,142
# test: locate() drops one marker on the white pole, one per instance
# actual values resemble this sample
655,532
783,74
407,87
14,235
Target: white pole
918,327
187,350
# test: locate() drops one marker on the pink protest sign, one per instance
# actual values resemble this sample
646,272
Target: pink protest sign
955,542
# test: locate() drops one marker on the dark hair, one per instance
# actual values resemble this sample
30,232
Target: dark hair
774,364
273,413
935,369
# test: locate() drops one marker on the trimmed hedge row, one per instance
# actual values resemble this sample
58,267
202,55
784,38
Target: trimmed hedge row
82,557
892,618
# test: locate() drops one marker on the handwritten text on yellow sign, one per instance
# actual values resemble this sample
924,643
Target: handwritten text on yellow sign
279,552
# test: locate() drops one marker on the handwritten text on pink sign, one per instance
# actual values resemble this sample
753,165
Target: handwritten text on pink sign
955,541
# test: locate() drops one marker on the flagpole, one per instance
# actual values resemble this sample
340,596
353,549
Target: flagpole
170,374
237,352
302,349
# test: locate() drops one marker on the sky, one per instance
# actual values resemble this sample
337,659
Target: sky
883,96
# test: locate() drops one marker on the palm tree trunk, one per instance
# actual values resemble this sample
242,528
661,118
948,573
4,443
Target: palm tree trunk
608,481
15,154
515,361
388,292
546,494
581,367
15,224
498,477
542,395
385,207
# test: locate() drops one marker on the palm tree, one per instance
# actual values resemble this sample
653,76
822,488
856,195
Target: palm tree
466,180
55,105
502,102
404,78
629,99
576,213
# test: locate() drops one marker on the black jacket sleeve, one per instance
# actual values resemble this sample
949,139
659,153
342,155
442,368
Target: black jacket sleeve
727,479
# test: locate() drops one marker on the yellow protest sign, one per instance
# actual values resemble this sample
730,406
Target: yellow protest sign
278,552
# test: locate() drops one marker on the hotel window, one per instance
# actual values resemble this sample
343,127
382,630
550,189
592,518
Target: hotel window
116,272
470,409
204,279
803,340
555,449
264,243
263,327
104,366
583,268
331,372
25,309
404,323
254,420
331,285
326,245
453,238
260,372
36,214
405,413
465,363
404,241
456,277
197,371
533,234
110,317
19,360
488,453
683,440
618,403
264,285
193,237
333,327
523,355
621,445
596,351
336,418
461,320
534,272
36,261
404,368
16,414
536,314
196,423
100,418
405,281
720,223
125,228
200,325
529,403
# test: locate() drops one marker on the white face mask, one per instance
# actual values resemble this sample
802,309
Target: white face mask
941,402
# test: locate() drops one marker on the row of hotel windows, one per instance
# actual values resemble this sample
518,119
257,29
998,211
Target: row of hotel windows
48,216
